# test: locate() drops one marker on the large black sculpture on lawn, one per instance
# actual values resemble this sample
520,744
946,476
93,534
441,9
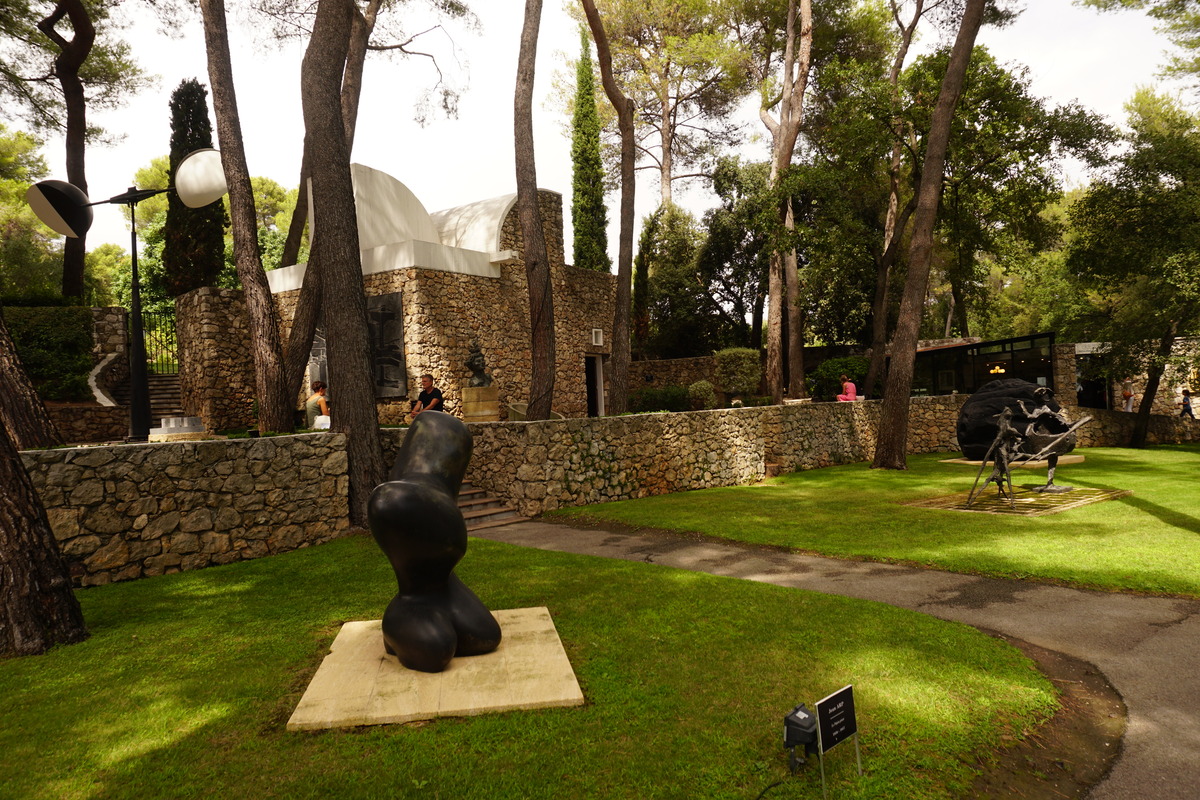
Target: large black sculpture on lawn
1012,420
414,517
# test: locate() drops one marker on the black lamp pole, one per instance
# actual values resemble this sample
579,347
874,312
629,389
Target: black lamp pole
139,382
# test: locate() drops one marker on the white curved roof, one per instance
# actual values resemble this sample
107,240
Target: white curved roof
388,211
475,226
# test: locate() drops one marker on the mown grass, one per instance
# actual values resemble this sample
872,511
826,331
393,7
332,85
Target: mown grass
1146,542
185,686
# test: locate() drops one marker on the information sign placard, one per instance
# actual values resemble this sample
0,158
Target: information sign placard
835,718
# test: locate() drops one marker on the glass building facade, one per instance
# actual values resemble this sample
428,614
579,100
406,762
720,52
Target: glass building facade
964,368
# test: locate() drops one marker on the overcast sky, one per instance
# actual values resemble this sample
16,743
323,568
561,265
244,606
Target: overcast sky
1072,54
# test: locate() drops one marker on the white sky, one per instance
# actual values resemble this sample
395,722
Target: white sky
1073,54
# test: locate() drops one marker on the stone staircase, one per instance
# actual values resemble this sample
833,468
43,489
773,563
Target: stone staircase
164,397
480,510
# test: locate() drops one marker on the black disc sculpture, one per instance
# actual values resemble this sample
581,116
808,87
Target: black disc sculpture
415,519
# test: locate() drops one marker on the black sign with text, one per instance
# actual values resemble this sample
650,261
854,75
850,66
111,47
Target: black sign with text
835,718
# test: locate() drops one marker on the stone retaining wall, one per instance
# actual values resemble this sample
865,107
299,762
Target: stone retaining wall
128,511
131,511
539,466
79,423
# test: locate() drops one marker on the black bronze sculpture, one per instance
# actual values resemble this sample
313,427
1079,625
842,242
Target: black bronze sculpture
415,519
478,366
1009,421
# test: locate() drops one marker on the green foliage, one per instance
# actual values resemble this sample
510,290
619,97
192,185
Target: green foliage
589,216
668,398
682,318
193,239
825,381
1137,235
738,370
702,396
55,346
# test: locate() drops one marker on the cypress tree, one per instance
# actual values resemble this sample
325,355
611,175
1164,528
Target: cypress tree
193,238
589,217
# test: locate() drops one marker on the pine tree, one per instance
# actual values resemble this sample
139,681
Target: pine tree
588,215
193,238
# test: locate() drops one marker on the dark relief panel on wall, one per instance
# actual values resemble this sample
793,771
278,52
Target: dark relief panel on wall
385,322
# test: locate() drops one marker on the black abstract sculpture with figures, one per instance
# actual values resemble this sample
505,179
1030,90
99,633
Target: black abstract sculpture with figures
1012,421
414,517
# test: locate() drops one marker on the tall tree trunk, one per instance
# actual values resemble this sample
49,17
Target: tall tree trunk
1141,423
618,381
537,263
666,141
22,413
783,283
275,406
336,249
895,222
38,609
890,451
360,34
72,53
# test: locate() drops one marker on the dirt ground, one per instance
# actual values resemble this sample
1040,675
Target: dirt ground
1068,755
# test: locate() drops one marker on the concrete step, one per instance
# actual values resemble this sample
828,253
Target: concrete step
481,510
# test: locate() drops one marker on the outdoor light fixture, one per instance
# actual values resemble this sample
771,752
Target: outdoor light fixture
997,370
799,729
199,180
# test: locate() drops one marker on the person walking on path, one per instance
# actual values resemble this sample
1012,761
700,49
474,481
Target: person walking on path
1187,405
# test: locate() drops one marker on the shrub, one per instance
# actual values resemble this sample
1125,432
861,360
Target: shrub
825,381
738,370
702,396
55,346
668,398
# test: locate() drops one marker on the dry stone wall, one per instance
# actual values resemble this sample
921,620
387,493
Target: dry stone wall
216,368
129,511
539,466
80,423
661,373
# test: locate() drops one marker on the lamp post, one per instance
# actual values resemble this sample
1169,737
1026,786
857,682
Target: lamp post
139,380
199,180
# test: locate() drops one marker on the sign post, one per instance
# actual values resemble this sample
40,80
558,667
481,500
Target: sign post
836,723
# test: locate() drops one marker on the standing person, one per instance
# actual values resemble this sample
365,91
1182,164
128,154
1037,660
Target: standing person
430,398
1127,394
1187,405
849,391
316,407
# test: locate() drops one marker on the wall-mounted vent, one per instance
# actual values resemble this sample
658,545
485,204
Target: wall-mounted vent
597,337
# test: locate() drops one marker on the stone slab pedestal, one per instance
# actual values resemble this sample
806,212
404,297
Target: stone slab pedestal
481,403
358,683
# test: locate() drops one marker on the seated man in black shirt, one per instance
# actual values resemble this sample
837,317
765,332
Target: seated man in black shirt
430,399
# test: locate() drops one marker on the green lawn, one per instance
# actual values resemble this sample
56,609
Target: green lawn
184,688
1146,542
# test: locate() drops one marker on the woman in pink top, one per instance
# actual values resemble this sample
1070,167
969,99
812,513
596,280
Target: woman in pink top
848,389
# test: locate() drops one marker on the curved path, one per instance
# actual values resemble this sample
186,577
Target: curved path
1147,647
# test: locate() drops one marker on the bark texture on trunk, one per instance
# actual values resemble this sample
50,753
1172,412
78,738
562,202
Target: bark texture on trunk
537,264
22,413
618,380
38,608
275,406
72,53
335,247
891,449
1141,424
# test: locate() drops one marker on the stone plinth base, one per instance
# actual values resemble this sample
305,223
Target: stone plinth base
358,683
481,403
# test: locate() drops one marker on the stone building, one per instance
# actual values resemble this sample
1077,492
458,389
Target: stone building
436,285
